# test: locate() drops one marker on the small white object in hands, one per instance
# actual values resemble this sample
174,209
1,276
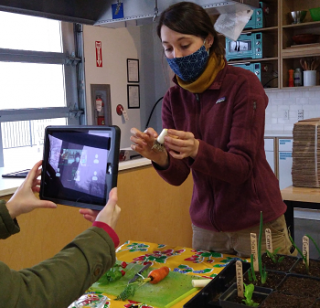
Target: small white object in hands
160,138
158,144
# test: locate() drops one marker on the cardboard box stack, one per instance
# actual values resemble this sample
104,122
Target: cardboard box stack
306,153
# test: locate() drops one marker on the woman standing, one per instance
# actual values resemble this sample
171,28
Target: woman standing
215,117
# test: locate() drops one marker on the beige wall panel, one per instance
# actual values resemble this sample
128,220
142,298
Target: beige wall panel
152,210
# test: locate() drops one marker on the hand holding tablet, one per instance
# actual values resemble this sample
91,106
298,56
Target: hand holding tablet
80,165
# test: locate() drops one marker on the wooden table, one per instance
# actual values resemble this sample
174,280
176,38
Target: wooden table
299,197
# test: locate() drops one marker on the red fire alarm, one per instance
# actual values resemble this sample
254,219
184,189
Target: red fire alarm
119,109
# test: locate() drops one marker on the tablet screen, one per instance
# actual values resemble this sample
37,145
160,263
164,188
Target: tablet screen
80,165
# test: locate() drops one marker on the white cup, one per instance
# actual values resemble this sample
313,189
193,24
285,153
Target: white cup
309,78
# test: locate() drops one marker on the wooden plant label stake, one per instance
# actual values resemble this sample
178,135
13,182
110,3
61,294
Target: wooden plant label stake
305,248
239,274
268,240
254,251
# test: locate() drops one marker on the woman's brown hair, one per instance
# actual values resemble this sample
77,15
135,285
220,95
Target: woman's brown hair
190,18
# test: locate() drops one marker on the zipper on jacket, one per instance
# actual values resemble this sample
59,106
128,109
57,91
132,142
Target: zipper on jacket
254,111
197,96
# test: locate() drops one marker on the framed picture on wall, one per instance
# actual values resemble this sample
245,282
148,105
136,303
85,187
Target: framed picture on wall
133,70
133,92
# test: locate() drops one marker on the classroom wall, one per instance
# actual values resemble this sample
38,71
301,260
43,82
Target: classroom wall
117,45
138,42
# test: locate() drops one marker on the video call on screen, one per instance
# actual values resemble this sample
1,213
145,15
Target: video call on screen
78,171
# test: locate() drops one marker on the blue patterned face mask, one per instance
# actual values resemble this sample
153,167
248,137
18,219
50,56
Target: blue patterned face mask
190,67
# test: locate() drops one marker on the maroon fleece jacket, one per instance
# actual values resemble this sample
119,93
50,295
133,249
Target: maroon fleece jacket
233,181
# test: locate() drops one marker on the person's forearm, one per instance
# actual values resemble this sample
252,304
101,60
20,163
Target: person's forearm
58,281
109,230
176,172
8,226
163,160
11,209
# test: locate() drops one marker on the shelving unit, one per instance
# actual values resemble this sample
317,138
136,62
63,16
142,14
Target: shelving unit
290,53
278,24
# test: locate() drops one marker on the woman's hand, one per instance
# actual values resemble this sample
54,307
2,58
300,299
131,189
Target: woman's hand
143,143
24,200
109,214
181,144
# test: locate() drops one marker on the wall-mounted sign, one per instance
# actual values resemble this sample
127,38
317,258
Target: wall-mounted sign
117,10
133,92
98,53
133,70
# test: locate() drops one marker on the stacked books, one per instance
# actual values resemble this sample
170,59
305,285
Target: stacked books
306,154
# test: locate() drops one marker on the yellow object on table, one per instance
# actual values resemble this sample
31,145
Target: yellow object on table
187,261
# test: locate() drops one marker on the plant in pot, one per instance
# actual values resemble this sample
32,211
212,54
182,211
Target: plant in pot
263,277
270,279
275,258
272,260
278,262
252,297
306,266
303,256
236,297
293,291
296,290
248,293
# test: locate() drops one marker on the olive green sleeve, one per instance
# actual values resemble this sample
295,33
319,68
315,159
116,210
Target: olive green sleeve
8,226
58,281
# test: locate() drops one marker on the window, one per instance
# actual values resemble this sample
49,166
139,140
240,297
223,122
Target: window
40,69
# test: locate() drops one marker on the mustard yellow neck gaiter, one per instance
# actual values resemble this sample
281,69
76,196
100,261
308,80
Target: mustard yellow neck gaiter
205,80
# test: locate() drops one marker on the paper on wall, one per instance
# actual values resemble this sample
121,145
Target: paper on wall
232,24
